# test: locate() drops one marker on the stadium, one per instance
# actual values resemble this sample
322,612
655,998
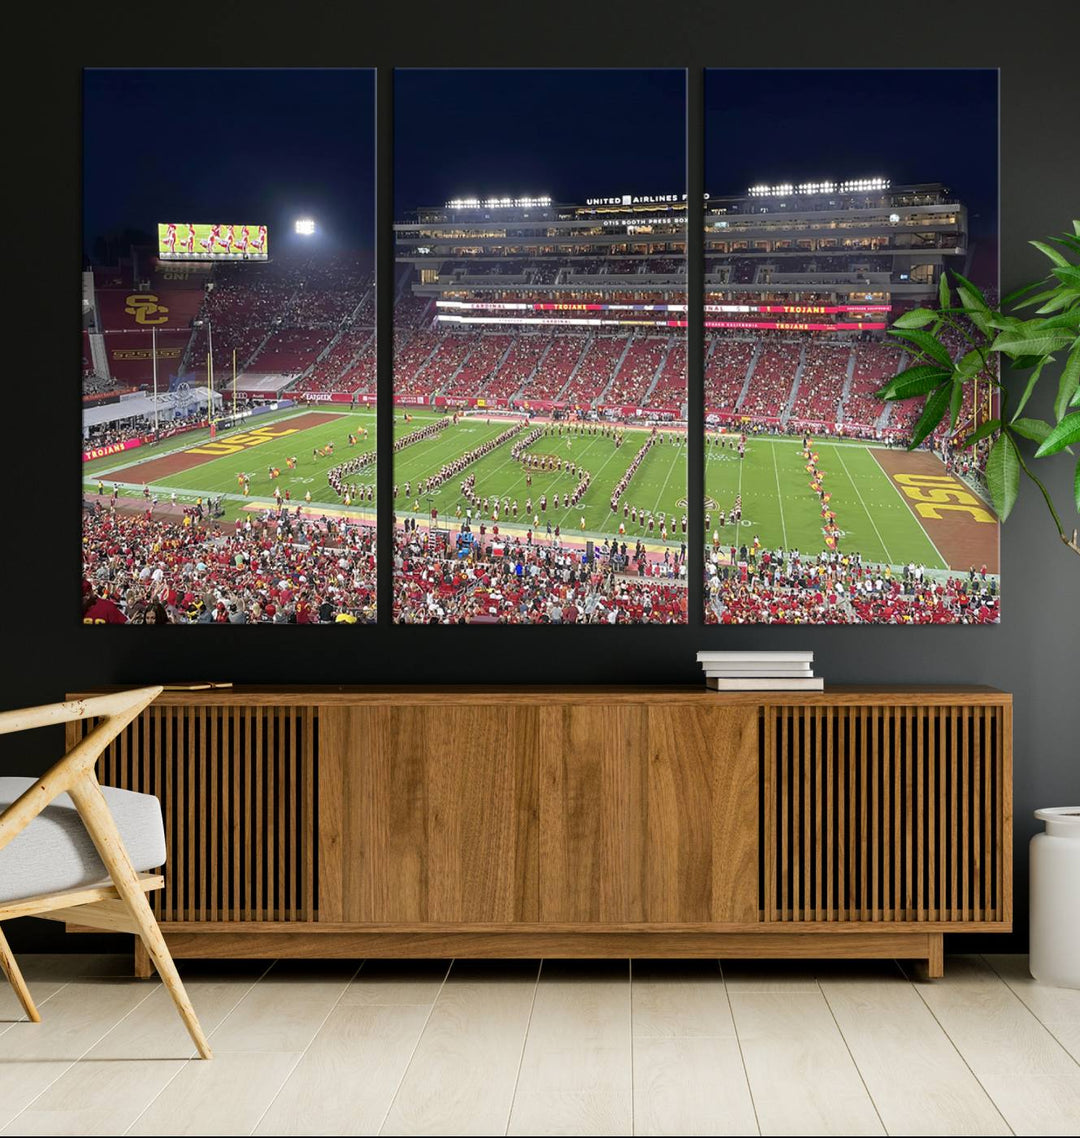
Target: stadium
540,424
546,343
563,325
834,521
229,440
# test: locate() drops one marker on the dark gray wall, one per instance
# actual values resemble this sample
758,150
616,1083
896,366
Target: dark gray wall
1034,653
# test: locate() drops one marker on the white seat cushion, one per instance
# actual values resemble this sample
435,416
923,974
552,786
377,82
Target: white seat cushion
55,852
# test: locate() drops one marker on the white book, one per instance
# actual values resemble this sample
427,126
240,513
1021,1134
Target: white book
759,667
765,684
736,673
755,657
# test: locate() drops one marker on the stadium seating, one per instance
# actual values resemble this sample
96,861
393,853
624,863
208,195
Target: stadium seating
874,365
725,372
637,371
596,369
480,366
519,364
554,372
821,385
771,380
671,388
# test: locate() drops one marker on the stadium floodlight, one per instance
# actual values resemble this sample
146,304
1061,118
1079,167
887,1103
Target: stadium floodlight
305,226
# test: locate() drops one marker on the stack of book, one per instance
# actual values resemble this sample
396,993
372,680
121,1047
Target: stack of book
760,671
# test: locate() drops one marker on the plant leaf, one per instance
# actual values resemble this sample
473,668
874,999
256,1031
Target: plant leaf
987,428
1034,429
1003,475
973,300
1069,384
1051,252
1030,341
916,318
1068,274
956,400
1032,380
943,289
928,345
1062,298
1064,434
933,412
914,381
1015,295
1039,297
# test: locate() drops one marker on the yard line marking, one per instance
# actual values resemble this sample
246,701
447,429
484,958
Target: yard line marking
888,555
779,493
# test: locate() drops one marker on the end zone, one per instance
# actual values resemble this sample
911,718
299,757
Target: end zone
961,526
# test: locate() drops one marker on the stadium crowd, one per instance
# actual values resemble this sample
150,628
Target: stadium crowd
526,583
763,587
274,568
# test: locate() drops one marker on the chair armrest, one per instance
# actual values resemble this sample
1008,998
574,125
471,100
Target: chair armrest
116,712
116,703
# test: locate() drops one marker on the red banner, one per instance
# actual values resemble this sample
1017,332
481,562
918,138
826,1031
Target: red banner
115,448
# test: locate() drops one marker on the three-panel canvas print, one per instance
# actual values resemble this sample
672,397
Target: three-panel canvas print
542,339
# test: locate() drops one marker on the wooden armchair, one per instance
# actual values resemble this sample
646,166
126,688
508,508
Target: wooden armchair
55,873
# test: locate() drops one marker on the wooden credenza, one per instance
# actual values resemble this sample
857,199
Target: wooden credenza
576,821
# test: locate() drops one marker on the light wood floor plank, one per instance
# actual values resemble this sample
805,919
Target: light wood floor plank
96,1097
11,1011
769,976
461,1079
802,1078
1038,1104
154,1030
1049,1005
34,1055
348,1076
991,1028
691,1084
679,998
414,982
285,1009
916,1078
227,1095
576,1071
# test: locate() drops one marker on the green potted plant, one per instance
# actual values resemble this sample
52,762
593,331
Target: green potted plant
1050,334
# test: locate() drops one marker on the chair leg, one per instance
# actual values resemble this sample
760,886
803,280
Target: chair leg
15,979
106,838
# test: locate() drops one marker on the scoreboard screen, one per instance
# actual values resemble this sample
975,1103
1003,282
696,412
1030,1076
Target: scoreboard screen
186,241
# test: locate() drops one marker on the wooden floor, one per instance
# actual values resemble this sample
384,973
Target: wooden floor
488,1047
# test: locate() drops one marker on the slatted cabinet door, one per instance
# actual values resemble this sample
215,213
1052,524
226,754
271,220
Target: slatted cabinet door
237,785
887,813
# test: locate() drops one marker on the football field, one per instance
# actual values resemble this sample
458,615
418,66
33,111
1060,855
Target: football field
192,465
881,512
658,485
875,516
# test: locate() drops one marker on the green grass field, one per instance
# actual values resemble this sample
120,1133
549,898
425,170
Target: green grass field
780,508
778,505
219,475
658,485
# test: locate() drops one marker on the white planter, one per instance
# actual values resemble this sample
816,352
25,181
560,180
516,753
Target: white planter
1055,898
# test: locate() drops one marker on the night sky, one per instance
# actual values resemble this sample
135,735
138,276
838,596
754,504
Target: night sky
907,125
253,146
571,134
